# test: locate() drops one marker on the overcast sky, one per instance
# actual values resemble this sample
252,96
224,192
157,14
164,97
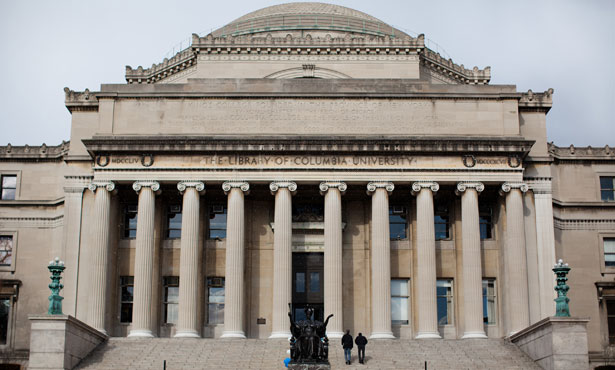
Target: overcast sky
564,44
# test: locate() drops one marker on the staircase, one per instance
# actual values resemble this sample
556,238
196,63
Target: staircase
219,354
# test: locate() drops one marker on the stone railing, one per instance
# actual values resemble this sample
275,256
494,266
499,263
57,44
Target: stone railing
447,67
80,100
581,152
540,102
179,62
34,152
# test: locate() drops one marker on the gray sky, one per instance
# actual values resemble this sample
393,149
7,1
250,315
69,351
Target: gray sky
564,44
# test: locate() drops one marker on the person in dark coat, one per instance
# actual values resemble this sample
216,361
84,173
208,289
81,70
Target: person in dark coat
361,341
347,345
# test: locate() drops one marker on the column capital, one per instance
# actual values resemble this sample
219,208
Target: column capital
508,186
183,185
372,186
463,185
417,186
109,185
325,185
228,185
539,185
290,185
137,185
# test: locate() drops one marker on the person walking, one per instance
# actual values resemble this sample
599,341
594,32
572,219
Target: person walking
347,345
361,341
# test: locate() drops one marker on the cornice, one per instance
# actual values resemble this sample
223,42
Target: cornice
536,102
582,153
35,152
589,204
583,224
80,101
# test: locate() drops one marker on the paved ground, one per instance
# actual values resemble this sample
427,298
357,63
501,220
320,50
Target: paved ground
125,353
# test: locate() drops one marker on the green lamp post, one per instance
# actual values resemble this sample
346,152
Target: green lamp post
55,300
561,269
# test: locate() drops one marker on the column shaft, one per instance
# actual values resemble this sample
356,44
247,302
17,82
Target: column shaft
381,265
545,240
142,317
189,264
333,259
426,263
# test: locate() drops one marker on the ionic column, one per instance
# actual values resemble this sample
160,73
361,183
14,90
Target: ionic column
233,305
189,261
282,257
426,260
515,258
99,255
381,260
471,256
142,318
333,256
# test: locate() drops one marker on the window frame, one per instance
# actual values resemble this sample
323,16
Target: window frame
173,209
603,267
17,175
449,224
211,282
404,212
14,235
407,297
9,289
211,212
169,282
491,207
495,300
129,283
451,314
125,221
600,176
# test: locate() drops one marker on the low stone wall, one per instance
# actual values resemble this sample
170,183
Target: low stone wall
556,343
61,341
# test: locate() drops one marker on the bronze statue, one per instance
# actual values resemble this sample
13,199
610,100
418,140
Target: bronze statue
309,342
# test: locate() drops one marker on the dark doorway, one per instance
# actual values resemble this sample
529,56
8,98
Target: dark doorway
308,285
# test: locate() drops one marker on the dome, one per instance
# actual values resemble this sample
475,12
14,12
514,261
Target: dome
308,16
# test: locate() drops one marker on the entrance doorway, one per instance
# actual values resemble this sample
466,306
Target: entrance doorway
308,285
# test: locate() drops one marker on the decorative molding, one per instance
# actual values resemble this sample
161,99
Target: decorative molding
137,185
581,153
109,185
536,102
32,222
579,224
432,185
76,184
198,185
37,152
81,101
228,185
508,186
275,185
462,186
325,185
373,185
539,185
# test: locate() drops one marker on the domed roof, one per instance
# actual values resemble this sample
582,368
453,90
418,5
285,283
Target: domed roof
308,16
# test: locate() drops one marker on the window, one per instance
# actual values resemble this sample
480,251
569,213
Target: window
441,221
8,185
489,301
5,308
607,188
130,221
609,252
171,299
610,312
399,301
444,293
6,250
397,222
215,300
217,222
127,284
174,222
485,218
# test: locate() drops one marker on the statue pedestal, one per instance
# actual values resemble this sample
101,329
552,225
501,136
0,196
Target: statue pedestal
309,366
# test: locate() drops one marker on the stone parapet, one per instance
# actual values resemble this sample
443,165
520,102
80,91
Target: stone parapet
555,343
61,341
37,152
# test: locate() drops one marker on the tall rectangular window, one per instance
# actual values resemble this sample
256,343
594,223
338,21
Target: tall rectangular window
217,222
444,293
174,222
6,250
5,310
8,187
607,188
127,284
610,312
130,221
397,222
485,218
215,300
171,299
609,252
489,306
399,301
442,221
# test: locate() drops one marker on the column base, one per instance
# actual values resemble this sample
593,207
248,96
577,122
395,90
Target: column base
186,334
382,335
140,333
233,334
280,335
103,331
474,335
428,335
335,334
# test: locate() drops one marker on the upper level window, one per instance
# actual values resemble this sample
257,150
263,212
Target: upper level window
217,222
399,301
444,292
127,284
485,218
6,250
609,252
8,187
442,223
130,221
171,299
607,188
489,306
174,222
397,222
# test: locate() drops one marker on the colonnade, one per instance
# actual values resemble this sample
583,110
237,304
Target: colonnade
191,252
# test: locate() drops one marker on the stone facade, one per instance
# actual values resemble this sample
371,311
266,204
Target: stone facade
310,142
